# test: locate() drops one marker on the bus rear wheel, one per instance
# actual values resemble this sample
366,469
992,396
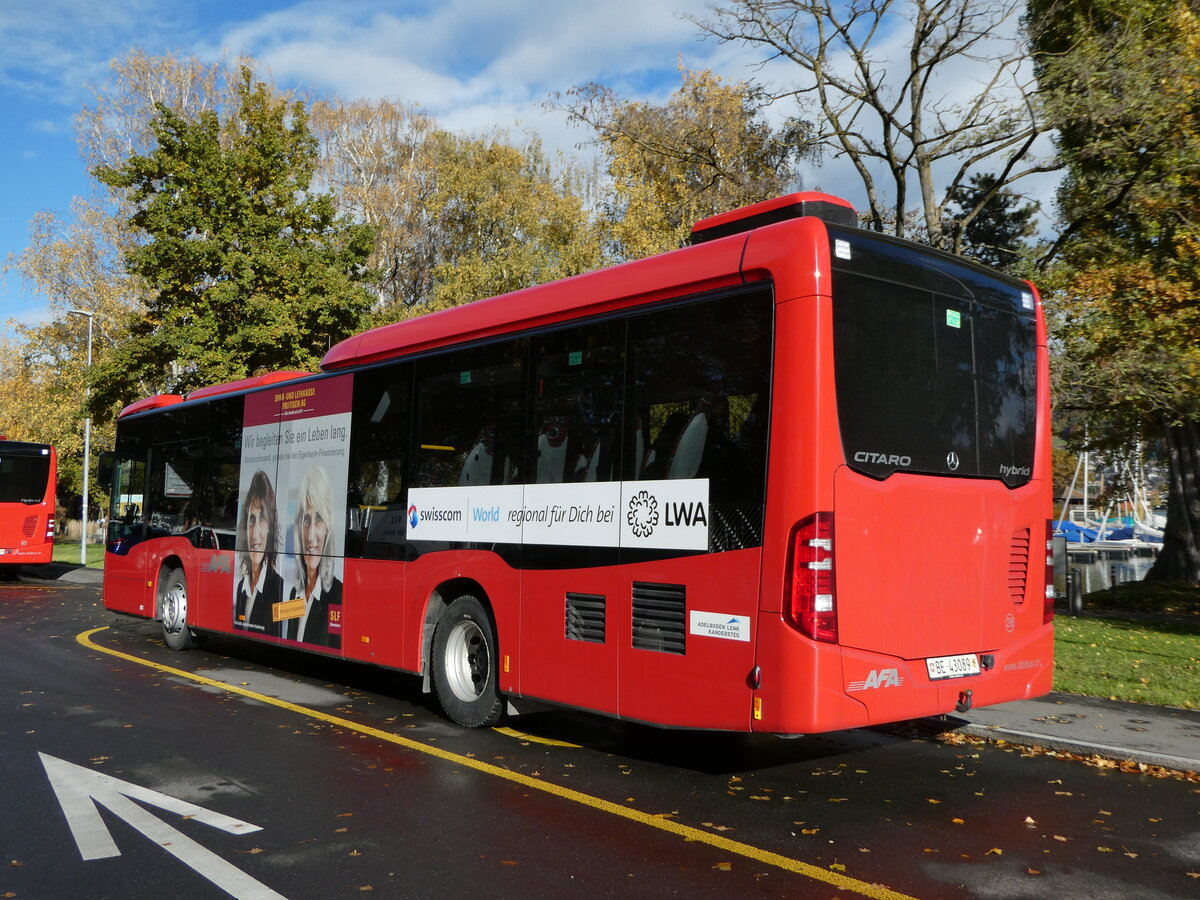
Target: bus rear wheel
172,605
464,664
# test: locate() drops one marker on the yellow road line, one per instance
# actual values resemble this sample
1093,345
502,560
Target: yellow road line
687,832
533,738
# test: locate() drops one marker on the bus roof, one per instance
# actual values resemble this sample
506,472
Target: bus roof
690,270
245,384
687,270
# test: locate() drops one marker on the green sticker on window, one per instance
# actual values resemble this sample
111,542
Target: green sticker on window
575,359
464,377
954,318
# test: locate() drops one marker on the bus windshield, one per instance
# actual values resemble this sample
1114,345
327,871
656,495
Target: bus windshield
935,362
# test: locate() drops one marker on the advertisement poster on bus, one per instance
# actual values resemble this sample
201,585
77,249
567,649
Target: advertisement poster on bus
291,512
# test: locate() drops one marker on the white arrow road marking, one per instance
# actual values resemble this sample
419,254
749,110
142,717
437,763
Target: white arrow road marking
79,790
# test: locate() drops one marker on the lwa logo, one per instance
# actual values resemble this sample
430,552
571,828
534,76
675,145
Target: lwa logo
642,515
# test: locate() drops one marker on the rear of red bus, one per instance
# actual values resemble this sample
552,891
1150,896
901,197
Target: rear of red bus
27,476
906,570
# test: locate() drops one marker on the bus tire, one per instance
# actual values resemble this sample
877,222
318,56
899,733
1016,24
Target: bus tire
172,605
464,664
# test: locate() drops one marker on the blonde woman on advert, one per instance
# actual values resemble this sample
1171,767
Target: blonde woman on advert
314,581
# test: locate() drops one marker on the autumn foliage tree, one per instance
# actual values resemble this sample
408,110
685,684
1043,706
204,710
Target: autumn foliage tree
457,217
249,268
706,150
1121,80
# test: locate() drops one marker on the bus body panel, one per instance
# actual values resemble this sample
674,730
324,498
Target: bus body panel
126,587
801,688
376,626
571,615
935,566
210,575
705,683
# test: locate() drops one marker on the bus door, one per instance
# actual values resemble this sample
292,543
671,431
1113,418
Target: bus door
174,529
692,512
125,587
570,637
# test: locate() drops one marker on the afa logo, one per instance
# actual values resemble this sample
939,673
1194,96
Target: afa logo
413,516
220,564
878,678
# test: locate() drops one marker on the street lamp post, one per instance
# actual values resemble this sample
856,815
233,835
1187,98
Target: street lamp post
87,440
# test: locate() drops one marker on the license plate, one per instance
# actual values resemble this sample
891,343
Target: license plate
952,666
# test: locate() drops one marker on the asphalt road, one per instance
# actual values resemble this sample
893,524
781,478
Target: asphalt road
128,771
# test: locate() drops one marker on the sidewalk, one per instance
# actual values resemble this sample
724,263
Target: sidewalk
1110,729
71,573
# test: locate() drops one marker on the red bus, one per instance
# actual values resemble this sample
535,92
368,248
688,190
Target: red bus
27,479
791,478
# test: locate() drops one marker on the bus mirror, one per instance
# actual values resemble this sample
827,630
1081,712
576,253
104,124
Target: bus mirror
104,470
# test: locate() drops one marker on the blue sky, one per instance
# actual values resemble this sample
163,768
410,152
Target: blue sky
473,64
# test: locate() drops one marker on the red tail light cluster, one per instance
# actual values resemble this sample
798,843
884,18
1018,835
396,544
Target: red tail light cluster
810,605
1048,601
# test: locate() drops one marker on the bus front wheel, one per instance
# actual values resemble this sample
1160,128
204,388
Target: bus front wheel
172,604
464,664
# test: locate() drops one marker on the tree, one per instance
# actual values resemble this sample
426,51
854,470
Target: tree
1121,81
43,374
706,150
507,221
887,80
458,218
250,269
379,158
990,223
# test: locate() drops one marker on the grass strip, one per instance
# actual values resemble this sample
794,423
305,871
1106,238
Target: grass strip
1125,659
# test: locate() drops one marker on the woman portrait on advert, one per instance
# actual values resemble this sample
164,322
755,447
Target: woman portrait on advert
259,584
314,580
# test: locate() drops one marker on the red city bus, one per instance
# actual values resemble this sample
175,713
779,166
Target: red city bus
27,478
792,478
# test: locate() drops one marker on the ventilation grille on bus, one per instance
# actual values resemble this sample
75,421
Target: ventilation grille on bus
659,617
29,529
1018,566
585,617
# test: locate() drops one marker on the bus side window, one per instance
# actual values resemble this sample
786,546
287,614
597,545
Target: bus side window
698,374
470,417
377,492
173,500
220,494
577,405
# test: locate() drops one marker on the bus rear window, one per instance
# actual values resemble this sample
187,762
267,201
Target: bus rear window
23,478
935,362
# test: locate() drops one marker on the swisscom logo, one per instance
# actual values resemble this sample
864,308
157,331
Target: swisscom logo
417,516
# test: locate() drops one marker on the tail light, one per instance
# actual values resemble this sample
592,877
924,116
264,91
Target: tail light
810,604
1048,601
50,527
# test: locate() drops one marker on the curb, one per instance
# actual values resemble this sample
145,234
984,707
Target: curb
1103,751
